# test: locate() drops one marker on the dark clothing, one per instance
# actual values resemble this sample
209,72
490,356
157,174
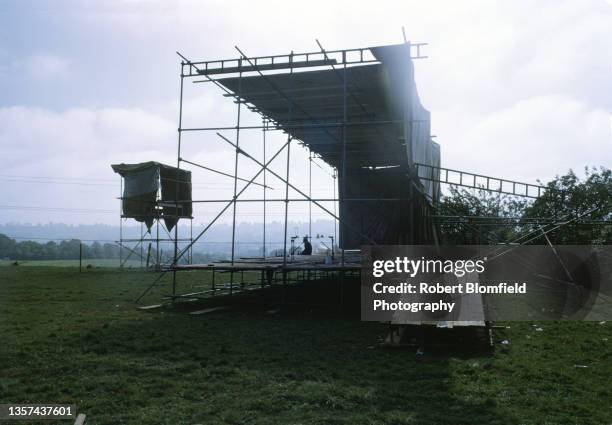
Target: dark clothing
307,248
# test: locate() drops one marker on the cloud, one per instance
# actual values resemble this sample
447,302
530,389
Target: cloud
45,66
522,92
516,89
78,144
80,134
37,67
81,143
535,138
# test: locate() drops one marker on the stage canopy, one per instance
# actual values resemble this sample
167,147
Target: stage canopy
375,109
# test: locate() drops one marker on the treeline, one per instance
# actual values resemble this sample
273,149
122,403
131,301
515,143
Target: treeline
10,249
65,250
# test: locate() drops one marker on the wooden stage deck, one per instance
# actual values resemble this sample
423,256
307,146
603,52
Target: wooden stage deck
352,262
470,311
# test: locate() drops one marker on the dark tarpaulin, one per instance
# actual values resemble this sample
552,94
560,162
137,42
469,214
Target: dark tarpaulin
383,222
140,186
403,99
390,222
171,179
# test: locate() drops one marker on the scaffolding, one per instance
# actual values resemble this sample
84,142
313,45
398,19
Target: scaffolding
148,248
356,110
340,105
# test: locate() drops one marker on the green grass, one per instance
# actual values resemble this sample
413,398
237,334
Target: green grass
70,337
96,262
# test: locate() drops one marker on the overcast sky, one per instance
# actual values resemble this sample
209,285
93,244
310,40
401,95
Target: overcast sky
519,89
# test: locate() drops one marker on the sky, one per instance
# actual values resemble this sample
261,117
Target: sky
519,90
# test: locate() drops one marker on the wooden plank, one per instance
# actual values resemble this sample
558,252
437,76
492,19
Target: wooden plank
150,307
470,309
209,310
260,267
448,324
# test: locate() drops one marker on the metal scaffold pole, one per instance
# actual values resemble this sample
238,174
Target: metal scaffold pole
289,138
343,195
178,165
286,211
310,194
120,221
141,246
264,192
343,192
335,183
239,101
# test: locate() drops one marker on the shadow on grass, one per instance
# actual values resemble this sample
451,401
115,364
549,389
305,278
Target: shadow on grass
246,364
265,363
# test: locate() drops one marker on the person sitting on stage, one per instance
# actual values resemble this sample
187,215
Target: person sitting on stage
307,247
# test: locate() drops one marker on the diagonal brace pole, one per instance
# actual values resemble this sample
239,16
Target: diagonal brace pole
554,250
240,150
229,204
222,173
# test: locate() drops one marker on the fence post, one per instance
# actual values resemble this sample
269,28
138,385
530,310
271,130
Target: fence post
80,257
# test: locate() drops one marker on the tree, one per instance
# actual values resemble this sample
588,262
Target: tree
566,198
110,251
95,250
7,246
50,251
479,203
68,250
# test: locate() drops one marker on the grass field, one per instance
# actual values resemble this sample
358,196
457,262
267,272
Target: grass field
96,262
70,337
